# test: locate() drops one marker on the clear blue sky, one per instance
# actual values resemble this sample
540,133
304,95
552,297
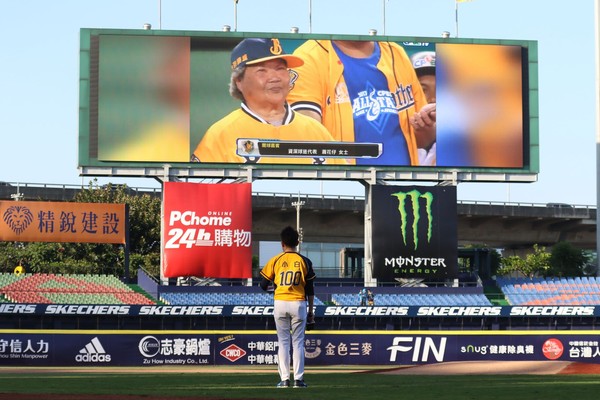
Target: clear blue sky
39,73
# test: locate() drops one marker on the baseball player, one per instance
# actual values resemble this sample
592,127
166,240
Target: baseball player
292,277
363,91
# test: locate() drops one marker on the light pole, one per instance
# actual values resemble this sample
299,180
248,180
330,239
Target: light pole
298,204
235,3
384,1
597,45
309,16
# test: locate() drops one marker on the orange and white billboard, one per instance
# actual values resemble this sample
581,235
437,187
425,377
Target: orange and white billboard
39,221
207,230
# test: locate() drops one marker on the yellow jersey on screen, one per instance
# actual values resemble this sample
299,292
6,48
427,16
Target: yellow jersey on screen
321,88
219,143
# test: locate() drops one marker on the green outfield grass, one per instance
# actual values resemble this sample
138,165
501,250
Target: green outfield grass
322,385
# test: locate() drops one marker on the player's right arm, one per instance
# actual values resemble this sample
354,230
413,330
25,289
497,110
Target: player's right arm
264,283
267,274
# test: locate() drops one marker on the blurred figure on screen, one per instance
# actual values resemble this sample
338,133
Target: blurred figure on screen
261,79
364,91
479,89
424,65
144,110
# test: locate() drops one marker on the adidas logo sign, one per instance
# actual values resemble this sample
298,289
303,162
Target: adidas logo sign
93,352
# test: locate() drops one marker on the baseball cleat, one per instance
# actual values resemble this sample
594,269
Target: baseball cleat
284,384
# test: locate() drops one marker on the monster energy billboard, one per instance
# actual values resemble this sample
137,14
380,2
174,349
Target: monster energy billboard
414,232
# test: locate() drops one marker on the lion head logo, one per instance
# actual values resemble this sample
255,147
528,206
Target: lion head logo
18,218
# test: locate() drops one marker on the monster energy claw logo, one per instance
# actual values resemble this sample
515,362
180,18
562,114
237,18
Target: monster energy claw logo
414,196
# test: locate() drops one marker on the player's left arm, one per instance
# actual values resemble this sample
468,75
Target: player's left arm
309,291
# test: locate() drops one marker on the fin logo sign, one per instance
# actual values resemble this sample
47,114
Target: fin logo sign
413,198
420,348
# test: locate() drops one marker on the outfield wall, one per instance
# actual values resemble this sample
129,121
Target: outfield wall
334,318
195,348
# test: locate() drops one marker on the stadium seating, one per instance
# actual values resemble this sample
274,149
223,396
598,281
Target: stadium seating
551,291
341,299
402,299
68,289
220,298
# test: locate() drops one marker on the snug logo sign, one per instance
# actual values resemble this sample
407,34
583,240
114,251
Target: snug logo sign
233,352
415,199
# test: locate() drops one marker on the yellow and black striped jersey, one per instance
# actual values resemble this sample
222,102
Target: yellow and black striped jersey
219,144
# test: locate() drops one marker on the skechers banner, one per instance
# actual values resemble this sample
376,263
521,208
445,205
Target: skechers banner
207,230
9,309
414,232
391,348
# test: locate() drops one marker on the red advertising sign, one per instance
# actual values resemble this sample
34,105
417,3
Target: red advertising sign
207,230
233,352
41,221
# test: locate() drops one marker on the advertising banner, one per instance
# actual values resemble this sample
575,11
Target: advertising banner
392,311
414,232
39,221
207,230
390,348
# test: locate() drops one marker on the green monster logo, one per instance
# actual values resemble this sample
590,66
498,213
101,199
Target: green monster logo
414,196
